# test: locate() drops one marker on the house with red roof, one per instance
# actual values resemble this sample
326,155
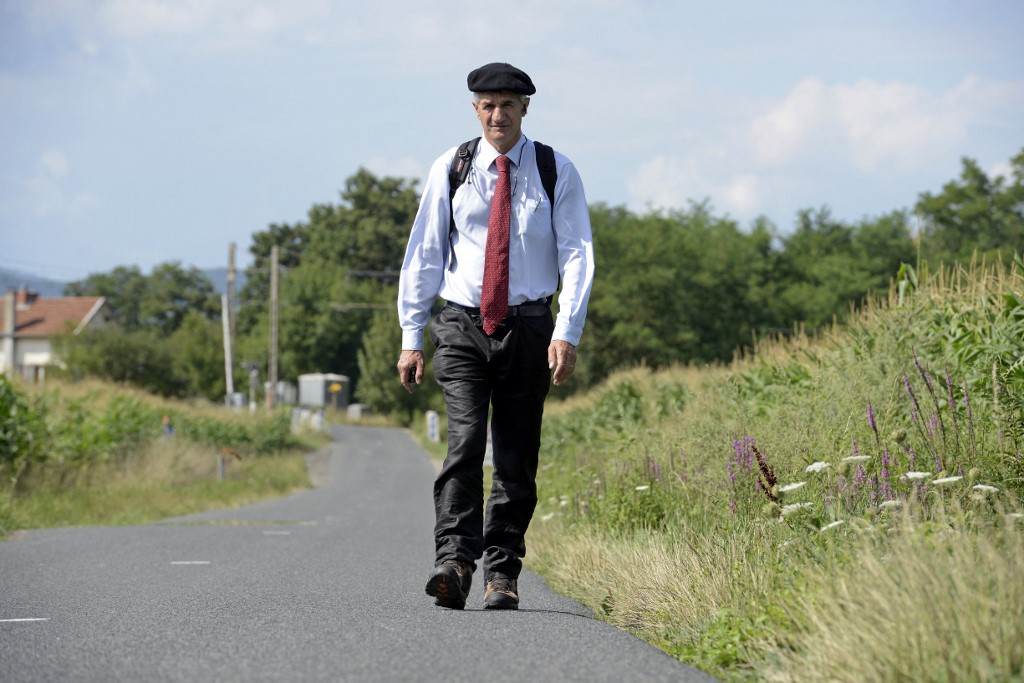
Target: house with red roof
28,323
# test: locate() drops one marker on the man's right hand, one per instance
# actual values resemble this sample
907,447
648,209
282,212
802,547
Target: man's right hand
410,368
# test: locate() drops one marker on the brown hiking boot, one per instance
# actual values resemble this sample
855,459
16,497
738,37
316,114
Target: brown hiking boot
449,584
501,593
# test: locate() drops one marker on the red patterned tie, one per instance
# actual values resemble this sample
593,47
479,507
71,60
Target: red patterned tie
494,297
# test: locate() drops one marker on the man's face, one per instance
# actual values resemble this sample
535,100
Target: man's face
501,116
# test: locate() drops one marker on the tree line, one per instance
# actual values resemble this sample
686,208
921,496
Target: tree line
680,286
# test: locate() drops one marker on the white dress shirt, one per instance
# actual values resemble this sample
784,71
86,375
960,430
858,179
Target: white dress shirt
542,247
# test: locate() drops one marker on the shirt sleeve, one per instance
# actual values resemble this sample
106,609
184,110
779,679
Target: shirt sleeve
425,256
575,245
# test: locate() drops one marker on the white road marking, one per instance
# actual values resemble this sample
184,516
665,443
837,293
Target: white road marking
277,533
18,621
191,562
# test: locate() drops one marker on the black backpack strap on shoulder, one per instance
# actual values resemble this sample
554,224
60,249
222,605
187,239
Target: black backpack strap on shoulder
458,171
548,172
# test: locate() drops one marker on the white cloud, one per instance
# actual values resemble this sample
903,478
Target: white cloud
47,192
663,182
54,163
876,124
1001,168
894,122
224,23
672,182
779,134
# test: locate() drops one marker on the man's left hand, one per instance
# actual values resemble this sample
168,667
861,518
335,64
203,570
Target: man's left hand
561,359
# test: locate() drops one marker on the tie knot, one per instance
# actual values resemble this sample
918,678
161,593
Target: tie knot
502,162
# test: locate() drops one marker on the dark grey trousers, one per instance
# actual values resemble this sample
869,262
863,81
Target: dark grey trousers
508,373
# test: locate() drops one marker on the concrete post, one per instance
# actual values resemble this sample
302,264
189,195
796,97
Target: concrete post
10,311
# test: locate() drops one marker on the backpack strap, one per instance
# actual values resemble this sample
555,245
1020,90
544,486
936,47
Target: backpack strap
458,172
548,172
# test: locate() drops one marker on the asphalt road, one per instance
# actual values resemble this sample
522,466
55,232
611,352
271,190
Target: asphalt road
325,585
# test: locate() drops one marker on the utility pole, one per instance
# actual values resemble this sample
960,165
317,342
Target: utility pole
229,375
228,319
272,364
232,298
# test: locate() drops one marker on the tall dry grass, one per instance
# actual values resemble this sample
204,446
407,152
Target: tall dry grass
942,606
655,513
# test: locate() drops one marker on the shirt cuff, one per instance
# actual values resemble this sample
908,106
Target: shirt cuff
566,331
412,340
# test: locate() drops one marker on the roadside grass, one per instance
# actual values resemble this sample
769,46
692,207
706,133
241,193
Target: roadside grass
94,454
166,479
840,508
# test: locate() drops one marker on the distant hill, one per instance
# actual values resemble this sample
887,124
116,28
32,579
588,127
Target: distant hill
16,279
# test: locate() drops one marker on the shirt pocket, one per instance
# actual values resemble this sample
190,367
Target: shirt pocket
534,213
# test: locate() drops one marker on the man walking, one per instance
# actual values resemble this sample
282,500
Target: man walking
495,252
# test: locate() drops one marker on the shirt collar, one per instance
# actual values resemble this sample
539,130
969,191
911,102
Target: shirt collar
486,154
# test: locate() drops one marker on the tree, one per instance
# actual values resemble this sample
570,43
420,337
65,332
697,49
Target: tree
291,241
197,350
974,213
379,385
172,292
673,287
158,301
142,358
368,232
338,269
124,288
826,265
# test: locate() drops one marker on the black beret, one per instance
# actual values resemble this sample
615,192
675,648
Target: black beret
499,76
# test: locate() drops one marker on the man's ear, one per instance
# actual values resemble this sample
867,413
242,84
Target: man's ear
526,105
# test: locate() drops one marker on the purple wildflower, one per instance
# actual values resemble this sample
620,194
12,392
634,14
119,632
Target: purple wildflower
949,394
924,373
732,474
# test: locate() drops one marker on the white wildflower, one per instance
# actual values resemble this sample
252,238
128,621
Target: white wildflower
818,466
644,487
548,517
794,507
985,488
792,487
833,525
891,504
916,476
945,480
857,458
1016,515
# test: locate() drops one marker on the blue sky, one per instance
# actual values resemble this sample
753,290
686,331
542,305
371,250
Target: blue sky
134,132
